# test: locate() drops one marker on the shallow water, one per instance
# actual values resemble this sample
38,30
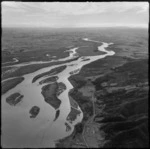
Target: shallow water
19,130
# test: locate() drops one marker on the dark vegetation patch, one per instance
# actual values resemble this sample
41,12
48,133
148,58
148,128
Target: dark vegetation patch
34,111
53,71
79,128
61,88
9,84
86,59
14,98
73,114
49,93
57,115
77,80
49,79
68,128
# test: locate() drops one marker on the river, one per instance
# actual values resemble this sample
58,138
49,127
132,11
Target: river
19,130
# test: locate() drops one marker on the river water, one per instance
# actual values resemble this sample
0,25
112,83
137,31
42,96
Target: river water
19,130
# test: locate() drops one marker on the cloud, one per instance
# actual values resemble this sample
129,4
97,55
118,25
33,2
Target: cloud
144,8
9,4
79,8
76,8
73,13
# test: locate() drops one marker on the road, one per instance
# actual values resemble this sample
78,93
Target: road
90,120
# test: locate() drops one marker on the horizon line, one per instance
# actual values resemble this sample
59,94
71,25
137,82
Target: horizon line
121,26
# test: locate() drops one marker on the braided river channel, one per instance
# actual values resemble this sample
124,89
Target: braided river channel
19,130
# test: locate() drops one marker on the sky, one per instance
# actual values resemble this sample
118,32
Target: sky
74,14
